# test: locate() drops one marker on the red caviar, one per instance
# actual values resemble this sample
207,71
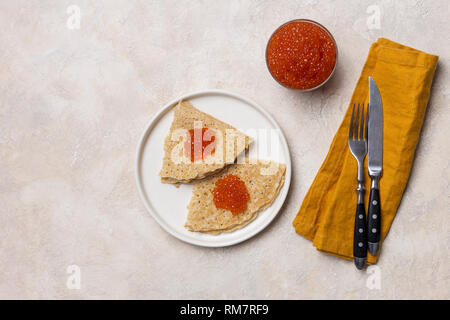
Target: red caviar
199,143
230,193
301,54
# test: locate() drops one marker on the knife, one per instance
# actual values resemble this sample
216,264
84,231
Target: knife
375,148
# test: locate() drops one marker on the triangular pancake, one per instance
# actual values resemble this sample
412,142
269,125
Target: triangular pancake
179,168
263,180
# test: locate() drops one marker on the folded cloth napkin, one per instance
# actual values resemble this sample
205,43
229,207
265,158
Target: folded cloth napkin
327,214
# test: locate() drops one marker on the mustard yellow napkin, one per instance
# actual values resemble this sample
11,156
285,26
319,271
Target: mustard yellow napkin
327,214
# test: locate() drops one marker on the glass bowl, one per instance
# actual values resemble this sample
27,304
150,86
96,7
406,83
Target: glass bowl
335,63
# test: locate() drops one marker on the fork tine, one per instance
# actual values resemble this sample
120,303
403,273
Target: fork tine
350,132
357,124
361,124
367,123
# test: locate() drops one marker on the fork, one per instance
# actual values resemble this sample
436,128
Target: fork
358,147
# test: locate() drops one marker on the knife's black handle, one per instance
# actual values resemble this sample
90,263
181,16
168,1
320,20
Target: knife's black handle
374,219
360,236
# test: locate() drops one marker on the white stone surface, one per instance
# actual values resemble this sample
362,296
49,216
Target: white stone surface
74,103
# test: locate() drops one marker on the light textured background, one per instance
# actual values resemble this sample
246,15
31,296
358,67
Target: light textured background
73,104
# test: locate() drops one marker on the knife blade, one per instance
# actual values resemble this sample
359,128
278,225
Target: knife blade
375,151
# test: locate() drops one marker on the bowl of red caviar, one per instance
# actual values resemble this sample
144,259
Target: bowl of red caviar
301,54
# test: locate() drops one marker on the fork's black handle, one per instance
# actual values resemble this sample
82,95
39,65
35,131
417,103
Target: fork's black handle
374,220
360,237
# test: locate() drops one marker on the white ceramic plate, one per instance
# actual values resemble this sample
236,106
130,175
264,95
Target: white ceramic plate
166,203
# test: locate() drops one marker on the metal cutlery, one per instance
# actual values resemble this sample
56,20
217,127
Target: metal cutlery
357,142
375,130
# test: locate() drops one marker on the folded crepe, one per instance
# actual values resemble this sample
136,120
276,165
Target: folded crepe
177,164
326,217
263,180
